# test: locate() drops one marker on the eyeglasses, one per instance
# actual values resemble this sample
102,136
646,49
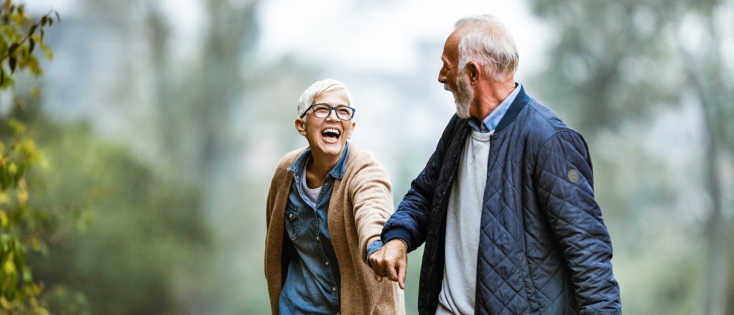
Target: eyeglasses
343,112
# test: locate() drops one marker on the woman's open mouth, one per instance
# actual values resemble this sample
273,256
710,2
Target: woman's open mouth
331,135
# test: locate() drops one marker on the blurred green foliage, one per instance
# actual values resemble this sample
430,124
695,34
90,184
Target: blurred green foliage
86,228
615,69
147,236
24,227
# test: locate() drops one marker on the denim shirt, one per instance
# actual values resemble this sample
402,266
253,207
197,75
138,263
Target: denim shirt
313,282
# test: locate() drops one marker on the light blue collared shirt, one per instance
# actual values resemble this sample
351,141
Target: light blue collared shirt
493,119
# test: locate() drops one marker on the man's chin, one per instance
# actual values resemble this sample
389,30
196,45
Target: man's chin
463,114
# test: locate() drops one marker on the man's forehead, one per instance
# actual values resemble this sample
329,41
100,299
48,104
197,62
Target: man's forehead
451,48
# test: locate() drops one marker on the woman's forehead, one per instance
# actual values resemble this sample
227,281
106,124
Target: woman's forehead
333,97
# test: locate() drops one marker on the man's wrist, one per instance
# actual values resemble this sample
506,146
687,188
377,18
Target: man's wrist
399,239
397,233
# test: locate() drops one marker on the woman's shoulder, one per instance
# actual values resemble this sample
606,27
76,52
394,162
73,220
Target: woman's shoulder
360,160
288,159
359,157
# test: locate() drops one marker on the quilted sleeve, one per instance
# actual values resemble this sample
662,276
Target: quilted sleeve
410,220
565,191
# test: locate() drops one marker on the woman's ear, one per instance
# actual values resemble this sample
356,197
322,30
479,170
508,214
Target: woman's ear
354,124
301,126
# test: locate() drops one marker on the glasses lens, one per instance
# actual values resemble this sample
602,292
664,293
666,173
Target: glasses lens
344,112
321,111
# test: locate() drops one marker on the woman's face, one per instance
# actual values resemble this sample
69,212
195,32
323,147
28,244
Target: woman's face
326,135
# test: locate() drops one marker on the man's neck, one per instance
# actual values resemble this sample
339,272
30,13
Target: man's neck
488,96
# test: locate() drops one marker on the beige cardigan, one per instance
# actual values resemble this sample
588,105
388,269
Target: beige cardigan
360,204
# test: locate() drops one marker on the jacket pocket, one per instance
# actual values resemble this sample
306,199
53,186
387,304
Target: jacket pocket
293,222
530,290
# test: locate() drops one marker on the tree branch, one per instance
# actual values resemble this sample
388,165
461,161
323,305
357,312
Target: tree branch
22,41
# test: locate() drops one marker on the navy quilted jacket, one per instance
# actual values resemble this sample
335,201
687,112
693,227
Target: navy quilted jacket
544,248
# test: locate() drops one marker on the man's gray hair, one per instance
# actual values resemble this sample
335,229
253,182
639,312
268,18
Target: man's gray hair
318,88
489,44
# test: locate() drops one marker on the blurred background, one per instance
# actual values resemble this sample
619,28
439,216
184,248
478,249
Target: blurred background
165,119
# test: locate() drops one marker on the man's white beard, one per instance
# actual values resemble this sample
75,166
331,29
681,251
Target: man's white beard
462,96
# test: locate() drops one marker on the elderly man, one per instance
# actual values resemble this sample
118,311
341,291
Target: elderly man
505,205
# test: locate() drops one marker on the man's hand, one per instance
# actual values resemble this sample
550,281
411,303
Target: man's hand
391,261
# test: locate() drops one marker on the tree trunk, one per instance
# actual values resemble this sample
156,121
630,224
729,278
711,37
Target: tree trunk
716,234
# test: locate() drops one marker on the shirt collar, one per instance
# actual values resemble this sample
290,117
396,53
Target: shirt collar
493,119
337,172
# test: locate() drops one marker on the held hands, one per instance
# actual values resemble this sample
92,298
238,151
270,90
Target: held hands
391,261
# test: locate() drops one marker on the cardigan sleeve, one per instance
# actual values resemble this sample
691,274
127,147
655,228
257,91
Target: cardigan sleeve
371,193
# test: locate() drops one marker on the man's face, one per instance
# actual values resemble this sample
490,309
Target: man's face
326,135
453,78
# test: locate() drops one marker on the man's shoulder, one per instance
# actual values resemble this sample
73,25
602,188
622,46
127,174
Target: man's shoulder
453,131
541,122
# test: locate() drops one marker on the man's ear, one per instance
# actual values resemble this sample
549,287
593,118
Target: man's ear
473,71
301,126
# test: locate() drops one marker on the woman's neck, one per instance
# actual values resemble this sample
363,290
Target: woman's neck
317,167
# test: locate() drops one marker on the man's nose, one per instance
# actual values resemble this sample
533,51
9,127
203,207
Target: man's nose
441,76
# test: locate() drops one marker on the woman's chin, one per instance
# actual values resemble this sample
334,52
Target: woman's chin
330,149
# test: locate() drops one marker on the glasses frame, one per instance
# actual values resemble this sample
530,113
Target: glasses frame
331,108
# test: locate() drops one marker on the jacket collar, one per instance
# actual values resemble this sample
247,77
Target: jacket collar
517,105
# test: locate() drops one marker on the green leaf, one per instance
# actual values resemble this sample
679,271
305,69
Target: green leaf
4,178
58,18
44,20
11,63
27,276
47,51
31,45
33,29
20,171
12,48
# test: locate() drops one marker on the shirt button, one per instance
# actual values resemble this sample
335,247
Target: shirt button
327,263
317,238
290,215
333,288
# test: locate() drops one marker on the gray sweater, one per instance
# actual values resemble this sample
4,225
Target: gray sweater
462,228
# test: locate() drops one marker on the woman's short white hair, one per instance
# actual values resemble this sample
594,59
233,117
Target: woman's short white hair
317,89
489,44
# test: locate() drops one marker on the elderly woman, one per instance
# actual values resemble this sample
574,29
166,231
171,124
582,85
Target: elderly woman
325,211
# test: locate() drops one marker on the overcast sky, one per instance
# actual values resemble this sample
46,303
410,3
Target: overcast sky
381,35
376,35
